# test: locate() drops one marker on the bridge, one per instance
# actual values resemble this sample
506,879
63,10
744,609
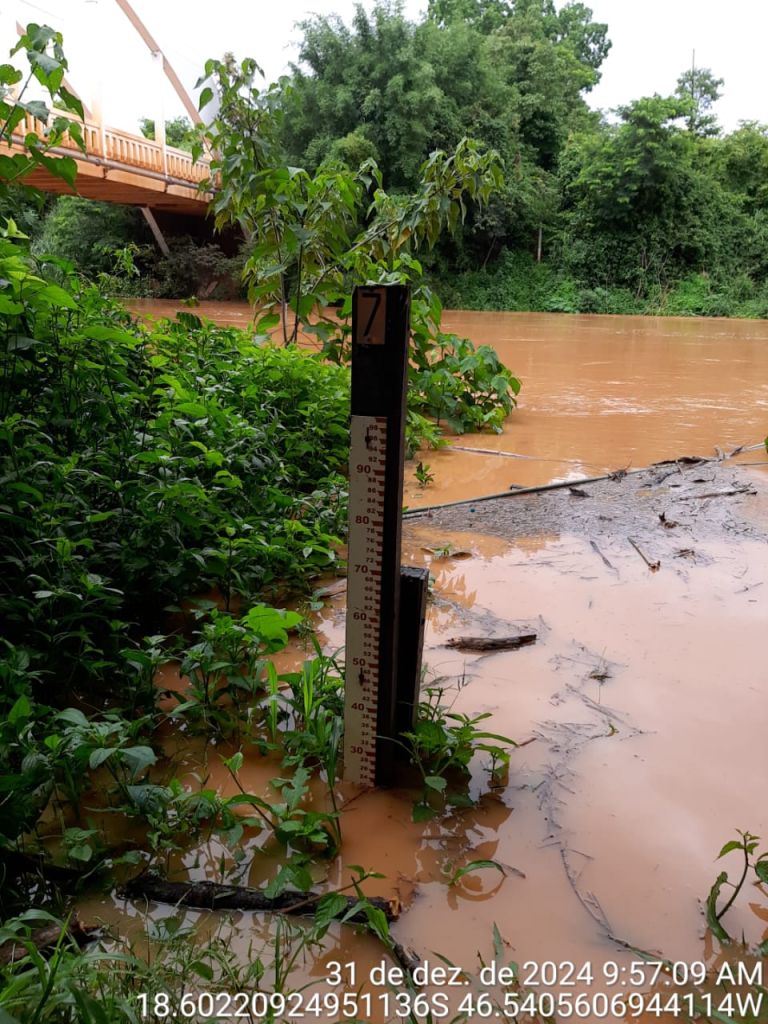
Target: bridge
119,167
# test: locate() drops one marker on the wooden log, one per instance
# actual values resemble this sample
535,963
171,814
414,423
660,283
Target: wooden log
214,896
492,643
46,939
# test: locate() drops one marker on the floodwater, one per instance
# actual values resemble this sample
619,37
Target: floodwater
600,393
641,709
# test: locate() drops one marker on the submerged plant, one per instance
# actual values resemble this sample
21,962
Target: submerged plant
746,845
227,669
442,745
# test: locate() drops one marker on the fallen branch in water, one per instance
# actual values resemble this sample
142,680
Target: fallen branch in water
653,564
720,494
47,938
491,643
213,896
605,561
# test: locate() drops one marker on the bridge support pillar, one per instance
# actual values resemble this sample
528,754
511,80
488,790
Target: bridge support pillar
154,227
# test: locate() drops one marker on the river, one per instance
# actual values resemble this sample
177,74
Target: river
599,393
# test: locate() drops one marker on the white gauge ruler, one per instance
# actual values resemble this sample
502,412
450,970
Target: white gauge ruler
367,460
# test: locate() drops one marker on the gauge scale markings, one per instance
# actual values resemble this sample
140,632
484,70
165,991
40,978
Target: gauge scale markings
367,461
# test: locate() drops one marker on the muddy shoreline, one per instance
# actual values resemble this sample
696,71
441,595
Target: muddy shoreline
708,499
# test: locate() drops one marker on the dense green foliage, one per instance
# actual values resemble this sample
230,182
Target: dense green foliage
653,210
97,238
312,235
142,468
87,233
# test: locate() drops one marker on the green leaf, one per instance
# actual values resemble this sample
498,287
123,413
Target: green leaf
498,942
9,75
138,759
70,102
267,323
476,865
82,852
37,109
436,782
206,96
195,410
329,908
761,868
72,716
64,167
21,343
21,710
423,812
100,756
234,763
734,844
53,295
202,970
460,800
377,922
9,307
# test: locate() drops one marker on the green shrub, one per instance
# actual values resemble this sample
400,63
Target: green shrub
142,467
87,233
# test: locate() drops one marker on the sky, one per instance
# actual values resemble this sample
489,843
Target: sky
653,42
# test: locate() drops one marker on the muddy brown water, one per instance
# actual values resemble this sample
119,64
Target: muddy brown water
599,393
644,697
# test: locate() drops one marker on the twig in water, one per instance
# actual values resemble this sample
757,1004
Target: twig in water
721,494
653,564
604,559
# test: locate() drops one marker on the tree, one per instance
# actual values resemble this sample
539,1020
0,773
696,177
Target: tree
508,74
371,78
179,131
572,25
313,233
741,159
87,233
699,89
484,15
639,209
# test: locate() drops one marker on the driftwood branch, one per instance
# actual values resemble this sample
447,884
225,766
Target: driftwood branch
720,494
491,643
652,563
213,896
45,939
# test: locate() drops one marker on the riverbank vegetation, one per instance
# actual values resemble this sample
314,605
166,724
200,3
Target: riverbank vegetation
166,491
651,208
